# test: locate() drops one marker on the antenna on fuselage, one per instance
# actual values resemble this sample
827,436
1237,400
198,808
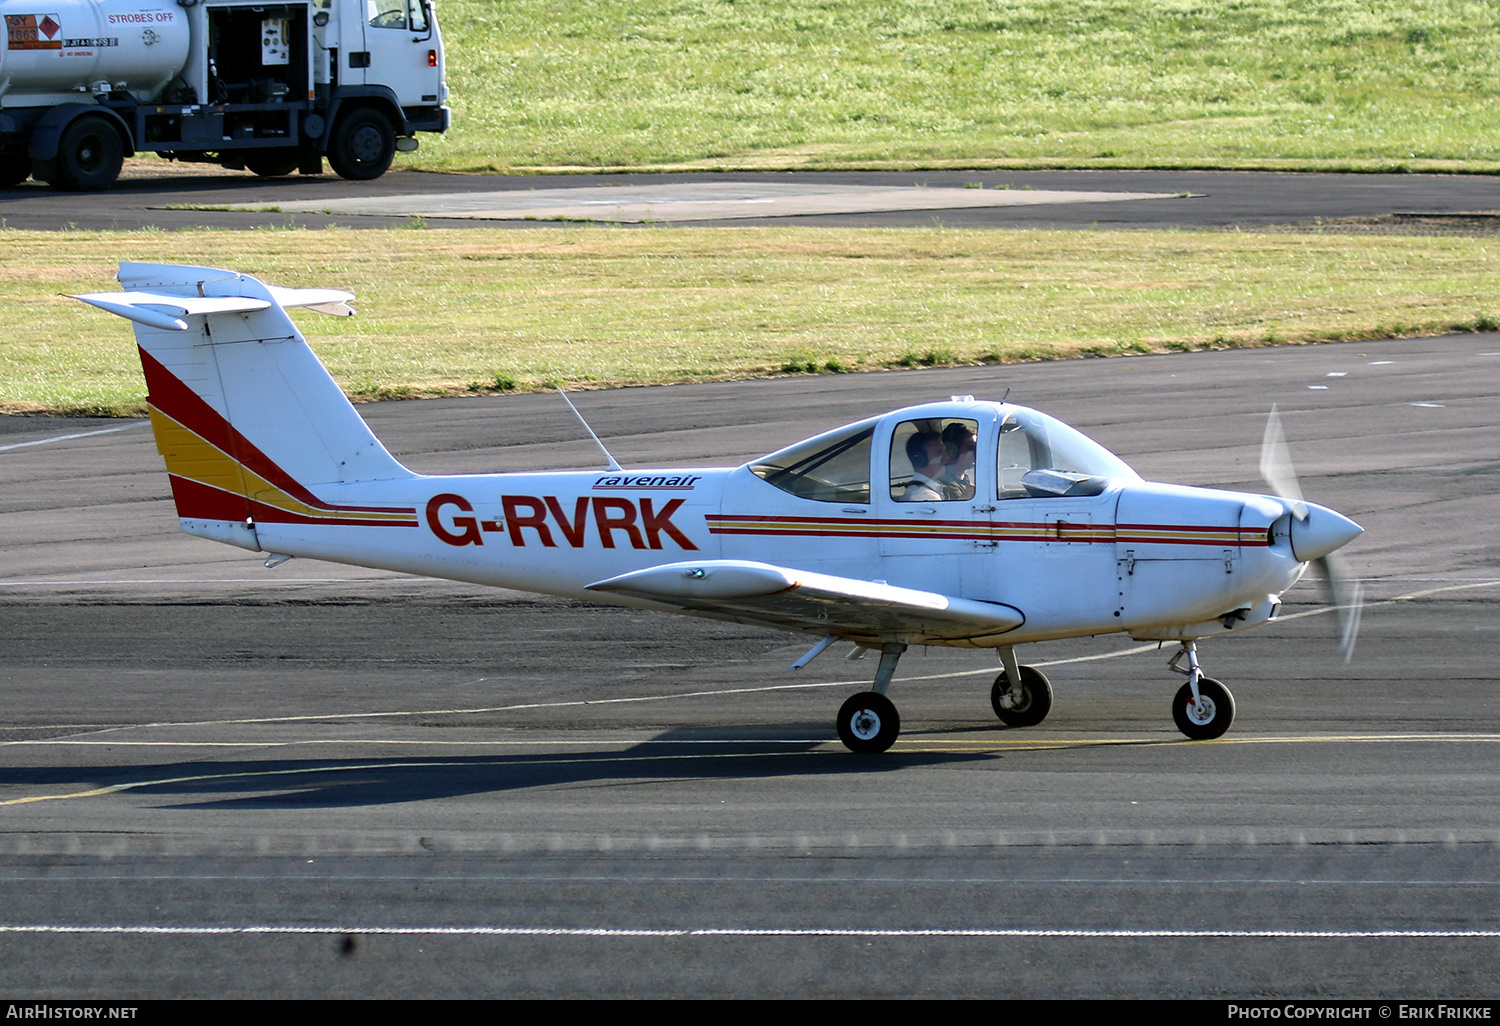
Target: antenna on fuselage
612,464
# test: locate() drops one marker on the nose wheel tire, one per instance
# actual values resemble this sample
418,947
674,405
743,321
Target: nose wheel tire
1035,703
868,723
1210,717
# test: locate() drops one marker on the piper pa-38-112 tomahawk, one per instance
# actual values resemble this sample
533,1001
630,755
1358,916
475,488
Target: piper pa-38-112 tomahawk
965,523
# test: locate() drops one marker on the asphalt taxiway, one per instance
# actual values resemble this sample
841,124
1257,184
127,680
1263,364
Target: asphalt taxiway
161,195
313,780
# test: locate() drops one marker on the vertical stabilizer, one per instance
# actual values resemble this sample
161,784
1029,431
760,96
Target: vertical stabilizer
251,425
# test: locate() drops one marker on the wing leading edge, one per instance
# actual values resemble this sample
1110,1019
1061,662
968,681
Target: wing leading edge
800,600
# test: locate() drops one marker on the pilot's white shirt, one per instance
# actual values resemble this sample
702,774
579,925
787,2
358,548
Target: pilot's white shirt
922,488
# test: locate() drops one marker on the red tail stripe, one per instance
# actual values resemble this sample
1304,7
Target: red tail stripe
197,501
169,395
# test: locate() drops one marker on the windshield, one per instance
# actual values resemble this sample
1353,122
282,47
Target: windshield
829,468
1032,443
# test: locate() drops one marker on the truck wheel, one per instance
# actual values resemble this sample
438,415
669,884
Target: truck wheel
363,146
15,168
89,155
273,163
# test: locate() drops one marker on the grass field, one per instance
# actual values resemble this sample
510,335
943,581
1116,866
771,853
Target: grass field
481,310
555,85
1348,84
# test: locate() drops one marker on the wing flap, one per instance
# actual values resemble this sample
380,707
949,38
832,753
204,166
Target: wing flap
802,600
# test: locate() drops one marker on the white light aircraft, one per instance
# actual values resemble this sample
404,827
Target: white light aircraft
966,523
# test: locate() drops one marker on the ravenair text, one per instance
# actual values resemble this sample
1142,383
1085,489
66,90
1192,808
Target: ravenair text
576,522
655,482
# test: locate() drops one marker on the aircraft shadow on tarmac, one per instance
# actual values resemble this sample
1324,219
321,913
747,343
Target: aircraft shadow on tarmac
349,783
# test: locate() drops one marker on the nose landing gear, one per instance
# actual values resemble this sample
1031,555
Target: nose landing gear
1203,708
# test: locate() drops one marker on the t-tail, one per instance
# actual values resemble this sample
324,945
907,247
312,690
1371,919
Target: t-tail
253,429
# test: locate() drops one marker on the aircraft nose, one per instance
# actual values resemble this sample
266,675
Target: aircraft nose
1320,532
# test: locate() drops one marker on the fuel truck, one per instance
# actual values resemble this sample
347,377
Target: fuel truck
265,86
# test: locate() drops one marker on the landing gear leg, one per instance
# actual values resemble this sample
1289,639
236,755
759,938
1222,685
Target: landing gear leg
868,722
1203,708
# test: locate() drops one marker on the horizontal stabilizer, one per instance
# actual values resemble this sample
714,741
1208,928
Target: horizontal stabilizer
334,302
159,310
164,312
849,608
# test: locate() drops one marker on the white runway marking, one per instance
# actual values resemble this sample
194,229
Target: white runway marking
575,703
77,434
711,931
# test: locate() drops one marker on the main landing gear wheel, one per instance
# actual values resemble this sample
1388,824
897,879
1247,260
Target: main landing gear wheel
868,723
1212,714
1035,703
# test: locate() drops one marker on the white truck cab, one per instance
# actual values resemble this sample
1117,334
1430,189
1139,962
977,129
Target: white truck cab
271,87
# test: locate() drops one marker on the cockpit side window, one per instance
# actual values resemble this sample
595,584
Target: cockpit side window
932,460
830,468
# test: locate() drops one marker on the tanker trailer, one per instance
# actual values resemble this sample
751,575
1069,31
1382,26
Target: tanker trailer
270,87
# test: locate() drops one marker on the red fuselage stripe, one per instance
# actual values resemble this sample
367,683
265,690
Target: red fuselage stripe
1020,531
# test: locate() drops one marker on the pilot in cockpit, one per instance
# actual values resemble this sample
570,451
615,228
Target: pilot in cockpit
928,460
957,477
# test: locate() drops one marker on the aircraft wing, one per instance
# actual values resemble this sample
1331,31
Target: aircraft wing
800,600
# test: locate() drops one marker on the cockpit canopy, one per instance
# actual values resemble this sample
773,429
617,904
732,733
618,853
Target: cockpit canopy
946,452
